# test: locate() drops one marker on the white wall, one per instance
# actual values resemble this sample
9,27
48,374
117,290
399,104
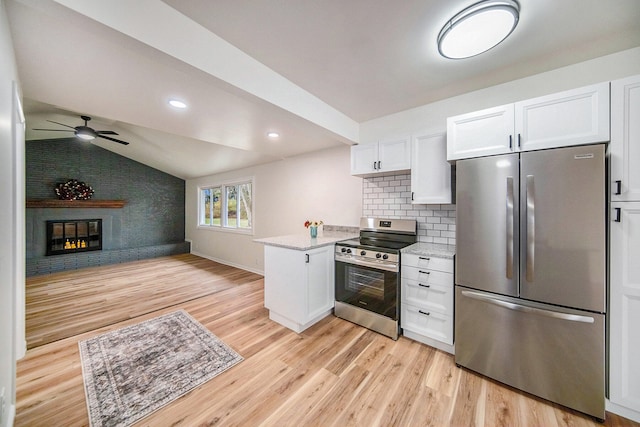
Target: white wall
286,193
433,116
12,180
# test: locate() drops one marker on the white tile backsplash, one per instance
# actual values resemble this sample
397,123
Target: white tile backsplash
390,197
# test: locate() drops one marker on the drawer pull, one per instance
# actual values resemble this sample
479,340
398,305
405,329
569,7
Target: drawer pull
424,286
426,313
424,272
425,258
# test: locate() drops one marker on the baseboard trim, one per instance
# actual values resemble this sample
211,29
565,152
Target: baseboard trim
622,411
226,262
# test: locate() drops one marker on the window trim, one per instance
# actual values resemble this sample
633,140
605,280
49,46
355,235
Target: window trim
223,185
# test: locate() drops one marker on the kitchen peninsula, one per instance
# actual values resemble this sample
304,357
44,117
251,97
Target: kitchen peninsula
298,276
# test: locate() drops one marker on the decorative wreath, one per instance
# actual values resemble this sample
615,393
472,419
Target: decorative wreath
74,190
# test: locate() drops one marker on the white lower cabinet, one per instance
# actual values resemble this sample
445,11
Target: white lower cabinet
427,300
298,285
624,310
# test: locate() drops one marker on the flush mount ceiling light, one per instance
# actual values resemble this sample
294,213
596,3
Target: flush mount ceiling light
177,104
478,28
273,134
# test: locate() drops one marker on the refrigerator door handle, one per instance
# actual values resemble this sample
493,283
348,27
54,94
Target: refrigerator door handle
526,309
509,222
531,229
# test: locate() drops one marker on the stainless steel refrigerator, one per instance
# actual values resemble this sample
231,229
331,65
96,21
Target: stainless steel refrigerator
530,277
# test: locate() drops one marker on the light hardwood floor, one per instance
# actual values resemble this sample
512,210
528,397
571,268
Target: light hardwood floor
333,374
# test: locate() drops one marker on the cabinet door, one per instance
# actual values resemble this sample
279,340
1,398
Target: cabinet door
574,117
481,133
320,293
430,171
625,139
624,312
364,159
394,154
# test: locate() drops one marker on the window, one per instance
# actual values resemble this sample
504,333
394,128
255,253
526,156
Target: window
227,206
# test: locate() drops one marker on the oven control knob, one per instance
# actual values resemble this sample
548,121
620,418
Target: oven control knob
362,253
348,251
385,256
378,255
343,250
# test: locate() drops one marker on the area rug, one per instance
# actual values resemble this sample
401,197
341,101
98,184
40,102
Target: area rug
131,372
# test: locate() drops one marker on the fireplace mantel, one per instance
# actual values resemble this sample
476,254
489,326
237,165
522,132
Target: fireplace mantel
55,203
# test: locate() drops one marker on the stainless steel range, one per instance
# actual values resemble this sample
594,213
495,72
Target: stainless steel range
368,274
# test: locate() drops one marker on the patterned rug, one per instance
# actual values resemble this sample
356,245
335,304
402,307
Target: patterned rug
131,372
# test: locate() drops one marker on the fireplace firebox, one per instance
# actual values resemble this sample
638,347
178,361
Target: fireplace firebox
76,235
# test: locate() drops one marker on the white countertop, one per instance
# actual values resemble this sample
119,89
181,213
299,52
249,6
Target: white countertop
431,249
304,241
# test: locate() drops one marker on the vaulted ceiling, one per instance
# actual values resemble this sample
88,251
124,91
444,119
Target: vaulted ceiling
310,70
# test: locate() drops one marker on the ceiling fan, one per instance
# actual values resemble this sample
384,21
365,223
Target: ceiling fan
85,132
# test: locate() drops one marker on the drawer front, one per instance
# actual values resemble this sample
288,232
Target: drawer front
430,262
428,296
428,323
427,276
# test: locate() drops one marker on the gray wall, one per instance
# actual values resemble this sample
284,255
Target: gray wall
151,223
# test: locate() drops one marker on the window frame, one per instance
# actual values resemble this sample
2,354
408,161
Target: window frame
224,187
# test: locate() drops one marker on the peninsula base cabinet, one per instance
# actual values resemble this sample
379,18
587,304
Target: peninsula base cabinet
298,288
624,312
427,300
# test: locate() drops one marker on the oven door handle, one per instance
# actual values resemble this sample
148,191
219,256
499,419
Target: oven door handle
378,266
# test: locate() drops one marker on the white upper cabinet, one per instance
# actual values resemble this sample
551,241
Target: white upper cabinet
391,155
430,171
625,139
481,133
574,117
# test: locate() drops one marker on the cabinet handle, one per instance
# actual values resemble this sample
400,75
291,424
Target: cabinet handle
618,212
424,286
426,313
424,272
510,142
424,258
618,187
519,142
412,193
306,256
379,165
374,165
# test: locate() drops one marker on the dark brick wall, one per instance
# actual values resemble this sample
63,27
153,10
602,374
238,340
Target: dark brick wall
152,217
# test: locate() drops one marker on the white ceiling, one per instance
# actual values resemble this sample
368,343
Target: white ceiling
309,69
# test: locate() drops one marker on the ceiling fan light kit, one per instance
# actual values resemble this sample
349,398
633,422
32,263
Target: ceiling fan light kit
478,28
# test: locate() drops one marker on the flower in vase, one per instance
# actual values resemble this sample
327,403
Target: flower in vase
308,223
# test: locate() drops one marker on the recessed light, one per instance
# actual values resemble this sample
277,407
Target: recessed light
177,104
273,134
478,28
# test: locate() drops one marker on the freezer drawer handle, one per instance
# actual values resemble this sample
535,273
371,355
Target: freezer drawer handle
424,286
424,272
510,219
525,309
618,212
531,228
618,187
424,258
426,313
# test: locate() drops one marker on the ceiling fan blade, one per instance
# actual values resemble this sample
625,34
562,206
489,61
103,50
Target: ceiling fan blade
61,124
106,132
113,139
55,130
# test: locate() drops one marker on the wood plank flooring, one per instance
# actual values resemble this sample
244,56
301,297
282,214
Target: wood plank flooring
333,374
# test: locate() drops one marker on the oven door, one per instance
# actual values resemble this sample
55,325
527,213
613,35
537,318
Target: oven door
367,287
